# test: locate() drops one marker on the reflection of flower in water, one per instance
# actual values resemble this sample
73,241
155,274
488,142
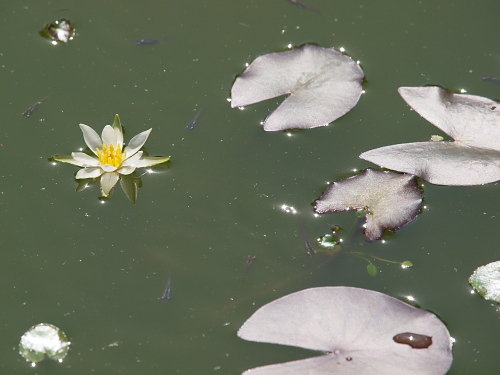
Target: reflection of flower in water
111,159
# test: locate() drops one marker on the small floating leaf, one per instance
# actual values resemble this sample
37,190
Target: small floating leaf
472,121
44,339
372,270
323,85
486,281
407,264
59,31
354,329
391,200
328,241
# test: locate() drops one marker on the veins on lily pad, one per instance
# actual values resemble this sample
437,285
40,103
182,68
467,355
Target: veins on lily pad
323,85
391,200
473,122
358,331
112,160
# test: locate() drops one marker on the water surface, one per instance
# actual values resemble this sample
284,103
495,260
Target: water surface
98,271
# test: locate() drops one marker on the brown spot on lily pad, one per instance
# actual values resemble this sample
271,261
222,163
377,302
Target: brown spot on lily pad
415,340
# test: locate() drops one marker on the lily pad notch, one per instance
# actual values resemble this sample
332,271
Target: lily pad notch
322,84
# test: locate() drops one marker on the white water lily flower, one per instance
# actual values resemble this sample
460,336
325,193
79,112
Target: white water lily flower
111,159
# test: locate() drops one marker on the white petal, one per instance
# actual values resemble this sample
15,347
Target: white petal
136,143
84,160
133,160
108,181
109,135
67,159
119,135
92,139
148,161
108,168
126,170
90,172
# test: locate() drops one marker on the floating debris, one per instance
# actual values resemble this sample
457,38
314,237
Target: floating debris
59,31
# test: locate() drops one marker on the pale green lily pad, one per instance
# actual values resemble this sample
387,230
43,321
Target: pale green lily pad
486,281
44,340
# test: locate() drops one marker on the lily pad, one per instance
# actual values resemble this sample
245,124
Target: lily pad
323,85
486,281
391,200
473,158
44,340
359,332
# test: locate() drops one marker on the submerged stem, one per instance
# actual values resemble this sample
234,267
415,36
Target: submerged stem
356,254
406,262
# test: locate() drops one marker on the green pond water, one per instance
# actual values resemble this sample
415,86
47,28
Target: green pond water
98,270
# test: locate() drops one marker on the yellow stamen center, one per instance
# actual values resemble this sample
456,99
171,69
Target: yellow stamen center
111,155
